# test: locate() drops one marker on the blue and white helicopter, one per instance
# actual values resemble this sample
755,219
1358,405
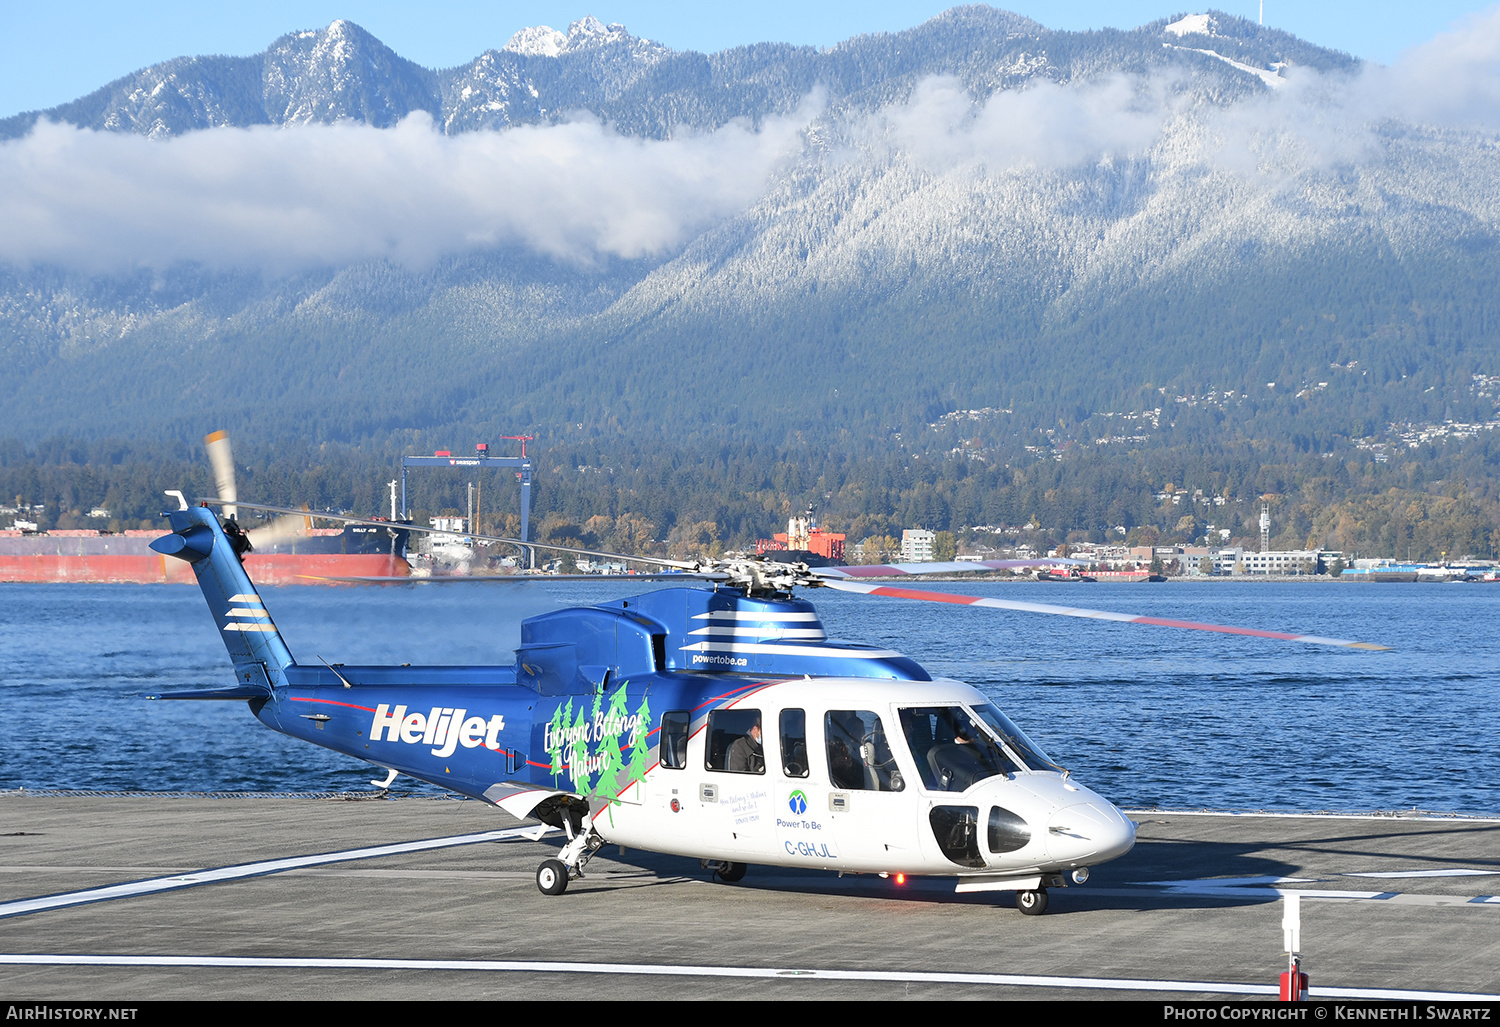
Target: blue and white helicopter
713,722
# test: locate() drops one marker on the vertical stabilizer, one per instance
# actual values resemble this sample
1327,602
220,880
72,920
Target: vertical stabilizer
245,626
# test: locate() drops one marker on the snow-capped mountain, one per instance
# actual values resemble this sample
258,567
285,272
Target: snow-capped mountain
978,211
343,73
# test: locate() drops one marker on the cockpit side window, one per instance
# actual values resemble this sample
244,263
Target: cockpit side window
951,750
1014,737
859,755
674,739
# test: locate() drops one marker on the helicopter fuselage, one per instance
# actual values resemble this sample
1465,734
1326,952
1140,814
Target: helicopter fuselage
703,722
851,773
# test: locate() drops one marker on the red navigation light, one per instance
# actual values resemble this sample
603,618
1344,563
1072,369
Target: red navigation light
900,878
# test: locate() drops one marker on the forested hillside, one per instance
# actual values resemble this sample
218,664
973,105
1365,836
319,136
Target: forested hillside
975,273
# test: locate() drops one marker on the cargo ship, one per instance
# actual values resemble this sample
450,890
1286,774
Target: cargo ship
805,542
126,557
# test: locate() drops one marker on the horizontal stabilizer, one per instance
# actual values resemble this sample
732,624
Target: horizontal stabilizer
232,692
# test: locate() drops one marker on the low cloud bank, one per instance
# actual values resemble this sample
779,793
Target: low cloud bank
1044,126
1311,122
287,198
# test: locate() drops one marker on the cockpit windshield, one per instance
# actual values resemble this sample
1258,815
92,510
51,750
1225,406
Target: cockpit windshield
1016,740
952,751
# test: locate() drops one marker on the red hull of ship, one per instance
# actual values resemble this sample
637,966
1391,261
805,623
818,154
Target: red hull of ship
264,569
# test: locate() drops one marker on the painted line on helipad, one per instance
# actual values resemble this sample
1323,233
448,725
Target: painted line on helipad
779,973
214,875
1454,872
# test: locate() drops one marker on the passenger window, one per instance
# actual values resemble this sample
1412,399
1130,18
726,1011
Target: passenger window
859,756
674,738
794,743
734,742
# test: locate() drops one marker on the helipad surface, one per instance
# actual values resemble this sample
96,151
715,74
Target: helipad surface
310,898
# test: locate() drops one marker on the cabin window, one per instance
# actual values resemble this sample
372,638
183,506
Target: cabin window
952,750
734,742
794,743
859,756
674,739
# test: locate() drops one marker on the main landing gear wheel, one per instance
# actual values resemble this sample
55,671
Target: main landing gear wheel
730,872
552,877
1032,903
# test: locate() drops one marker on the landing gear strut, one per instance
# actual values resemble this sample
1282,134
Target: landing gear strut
1032,903
724,870
553,875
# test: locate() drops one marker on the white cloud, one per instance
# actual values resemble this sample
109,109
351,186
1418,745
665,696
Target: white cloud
1323,122
1045,125
1452,79
579,192
1315,123
327,195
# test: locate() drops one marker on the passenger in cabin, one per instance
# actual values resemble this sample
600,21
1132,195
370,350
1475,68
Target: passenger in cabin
745,755
845,769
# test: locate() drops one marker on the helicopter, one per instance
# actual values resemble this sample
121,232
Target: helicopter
715,721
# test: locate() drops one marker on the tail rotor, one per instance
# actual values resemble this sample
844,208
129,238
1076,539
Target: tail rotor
287,528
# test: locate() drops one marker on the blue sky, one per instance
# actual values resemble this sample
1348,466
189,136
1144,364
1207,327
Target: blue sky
52,53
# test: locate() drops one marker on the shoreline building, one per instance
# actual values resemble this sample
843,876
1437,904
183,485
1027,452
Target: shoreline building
917,545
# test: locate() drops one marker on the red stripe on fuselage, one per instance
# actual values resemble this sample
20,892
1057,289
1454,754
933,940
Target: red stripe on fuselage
331,702
721,697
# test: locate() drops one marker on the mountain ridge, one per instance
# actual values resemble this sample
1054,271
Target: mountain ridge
909,258
320,76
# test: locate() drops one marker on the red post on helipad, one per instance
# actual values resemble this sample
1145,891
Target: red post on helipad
1293,980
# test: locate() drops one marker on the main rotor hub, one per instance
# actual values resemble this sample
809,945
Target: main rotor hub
759,576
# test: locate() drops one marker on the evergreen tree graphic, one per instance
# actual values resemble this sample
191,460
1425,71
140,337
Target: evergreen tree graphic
614,758
642,748
579,751
555,744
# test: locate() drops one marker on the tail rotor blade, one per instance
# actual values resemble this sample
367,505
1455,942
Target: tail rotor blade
222,461
1073,611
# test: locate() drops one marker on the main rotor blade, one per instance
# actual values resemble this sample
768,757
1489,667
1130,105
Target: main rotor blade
286,528
222,460
518,579
1073,611
894,570
400,526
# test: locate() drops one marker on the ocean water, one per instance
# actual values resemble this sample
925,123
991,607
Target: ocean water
1145,715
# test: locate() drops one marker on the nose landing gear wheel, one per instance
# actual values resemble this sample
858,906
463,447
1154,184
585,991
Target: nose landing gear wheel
552,877
730,872
1032,903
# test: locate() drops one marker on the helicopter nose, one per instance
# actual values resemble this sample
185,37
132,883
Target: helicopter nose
1089,832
